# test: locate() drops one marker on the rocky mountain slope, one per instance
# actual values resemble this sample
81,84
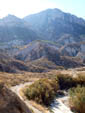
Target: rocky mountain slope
9,64
15,32
64,29
51,24
10,103
55,25
74,50
61,41
38,50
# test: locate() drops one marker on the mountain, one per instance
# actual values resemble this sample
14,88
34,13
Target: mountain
9,64
15,32
64,29
74,50
12,65
51,24
42,41
55,25
40,53
10,102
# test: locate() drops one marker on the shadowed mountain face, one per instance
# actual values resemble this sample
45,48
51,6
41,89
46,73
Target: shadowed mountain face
38,56
9,64
38,50
15,32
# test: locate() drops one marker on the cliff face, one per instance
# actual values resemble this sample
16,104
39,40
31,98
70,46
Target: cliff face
10,103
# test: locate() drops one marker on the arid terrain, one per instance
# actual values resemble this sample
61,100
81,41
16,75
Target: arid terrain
42,63
18,81
12,79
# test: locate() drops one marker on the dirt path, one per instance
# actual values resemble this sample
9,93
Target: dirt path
17,89
57,107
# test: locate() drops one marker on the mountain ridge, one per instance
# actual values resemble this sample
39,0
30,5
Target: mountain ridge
39,50
57,26
50,24
56,10
60,34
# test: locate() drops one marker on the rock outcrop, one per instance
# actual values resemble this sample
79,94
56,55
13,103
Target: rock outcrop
10,102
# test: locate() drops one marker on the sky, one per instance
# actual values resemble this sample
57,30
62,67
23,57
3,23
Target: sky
22,8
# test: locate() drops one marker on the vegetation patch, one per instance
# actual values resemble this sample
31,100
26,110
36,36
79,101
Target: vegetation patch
66,81
42,91
80,79
77,99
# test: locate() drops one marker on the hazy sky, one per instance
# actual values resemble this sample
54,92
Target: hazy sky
22,8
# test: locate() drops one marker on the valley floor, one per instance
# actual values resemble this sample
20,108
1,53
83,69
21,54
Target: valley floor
18,81
57,107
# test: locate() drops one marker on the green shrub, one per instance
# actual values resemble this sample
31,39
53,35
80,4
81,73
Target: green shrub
77,99
42,91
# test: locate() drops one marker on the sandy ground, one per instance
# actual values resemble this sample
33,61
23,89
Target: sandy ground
59,107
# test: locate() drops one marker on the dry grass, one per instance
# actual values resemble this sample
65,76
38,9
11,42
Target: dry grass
40,107
10,79
13,79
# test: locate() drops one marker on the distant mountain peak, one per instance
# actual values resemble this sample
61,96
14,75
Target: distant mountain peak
55,14
10,16
11,20
52,9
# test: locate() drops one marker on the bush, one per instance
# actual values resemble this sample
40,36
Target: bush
1,85
77,99
42,91
65,81
80,79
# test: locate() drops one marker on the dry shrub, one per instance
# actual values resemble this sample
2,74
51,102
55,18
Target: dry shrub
42,91
65,81
77,99
80,79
